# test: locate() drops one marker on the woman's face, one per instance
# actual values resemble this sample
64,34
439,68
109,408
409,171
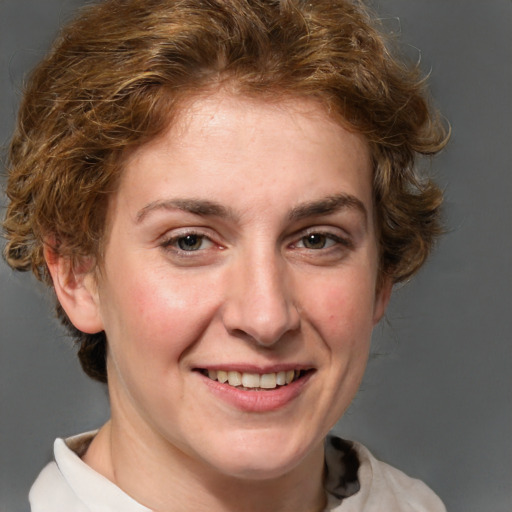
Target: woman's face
241,246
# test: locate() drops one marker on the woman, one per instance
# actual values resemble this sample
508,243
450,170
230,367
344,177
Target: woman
222,194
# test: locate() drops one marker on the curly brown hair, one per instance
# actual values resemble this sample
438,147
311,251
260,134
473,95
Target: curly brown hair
118,73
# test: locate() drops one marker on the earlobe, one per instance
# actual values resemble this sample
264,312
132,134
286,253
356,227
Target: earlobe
76,291
382,296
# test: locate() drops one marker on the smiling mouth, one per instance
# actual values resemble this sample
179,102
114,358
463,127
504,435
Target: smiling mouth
255,381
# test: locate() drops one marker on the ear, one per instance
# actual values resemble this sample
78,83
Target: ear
382,296
76,291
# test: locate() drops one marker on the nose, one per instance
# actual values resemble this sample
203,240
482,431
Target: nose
260,302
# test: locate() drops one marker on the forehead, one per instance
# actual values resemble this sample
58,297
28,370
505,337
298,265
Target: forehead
278,148
225,113
227,109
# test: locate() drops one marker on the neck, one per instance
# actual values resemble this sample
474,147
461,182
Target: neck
170,480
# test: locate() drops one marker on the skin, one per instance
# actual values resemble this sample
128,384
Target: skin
283,273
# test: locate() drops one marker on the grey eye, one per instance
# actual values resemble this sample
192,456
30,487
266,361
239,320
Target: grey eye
190,242
314,241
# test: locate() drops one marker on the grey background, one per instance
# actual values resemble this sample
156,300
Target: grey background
437,398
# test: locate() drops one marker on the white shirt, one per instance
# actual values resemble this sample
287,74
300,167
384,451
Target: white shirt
355,482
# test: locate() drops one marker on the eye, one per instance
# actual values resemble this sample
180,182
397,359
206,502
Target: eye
188,242
316,241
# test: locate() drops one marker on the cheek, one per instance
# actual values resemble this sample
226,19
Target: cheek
157,316
342,314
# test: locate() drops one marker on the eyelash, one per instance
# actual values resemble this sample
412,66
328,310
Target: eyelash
172,242
338,240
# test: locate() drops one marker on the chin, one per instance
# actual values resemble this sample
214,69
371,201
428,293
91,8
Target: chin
257,455
258,468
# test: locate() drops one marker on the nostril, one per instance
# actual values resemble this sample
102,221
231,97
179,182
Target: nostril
259,307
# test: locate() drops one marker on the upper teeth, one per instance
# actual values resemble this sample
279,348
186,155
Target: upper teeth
253,380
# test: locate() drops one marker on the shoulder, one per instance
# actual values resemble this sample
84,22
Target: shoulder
51,492
380,487
69,485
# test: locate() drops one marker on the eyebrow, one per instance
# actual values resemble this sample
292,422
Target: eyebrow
205,208
196,206
327,206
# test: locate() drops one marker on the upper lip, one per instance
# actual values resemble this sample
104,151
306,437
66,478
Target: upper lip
251,368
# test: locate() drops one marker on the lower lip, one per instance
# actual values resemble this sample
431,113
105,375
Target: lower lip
257,401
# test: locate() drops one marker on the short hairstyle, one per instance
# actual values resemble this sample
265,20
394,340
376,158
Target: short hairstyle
117,75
